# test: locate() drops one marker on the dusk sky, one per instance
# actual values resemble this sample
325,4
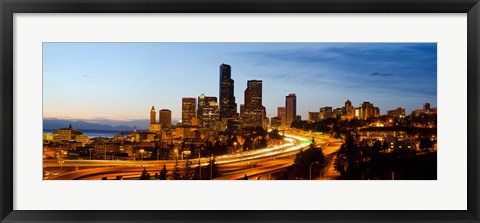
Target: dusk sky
121,81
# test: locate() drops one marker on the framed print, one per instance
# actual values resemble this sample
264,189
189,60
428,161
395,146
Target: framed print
241,111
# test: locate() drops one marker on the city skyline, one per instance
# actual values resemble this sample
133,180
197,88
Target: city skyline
389,75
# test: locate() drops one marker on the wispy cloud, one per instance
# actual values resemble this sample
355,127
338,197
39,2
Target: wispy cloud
381,74
411,67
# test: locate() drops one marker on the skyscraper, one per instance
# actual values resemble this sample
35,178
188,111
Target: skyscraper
203,102
349,108
253,94
367,110
291,108
188,110
227,105
153,113
165,118
348,111
207,110
326,112
253,109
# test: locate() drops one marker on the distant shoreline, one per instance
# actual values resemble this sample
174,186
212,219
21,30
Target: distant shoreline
94,130
93,133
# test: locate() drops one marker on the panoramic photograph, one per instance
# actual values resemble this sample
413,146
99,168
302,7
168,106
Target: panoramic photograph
239,111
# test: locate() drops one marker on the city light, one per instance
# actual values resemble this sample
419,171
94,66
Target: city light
255,135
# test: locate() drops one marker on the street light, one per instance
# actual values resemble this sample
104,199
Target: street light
235,144
199,164
311,168
61,165
211,167
141,153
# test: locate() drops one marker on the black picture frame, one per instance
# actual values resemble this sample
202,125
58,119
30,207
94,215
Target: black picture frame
9,7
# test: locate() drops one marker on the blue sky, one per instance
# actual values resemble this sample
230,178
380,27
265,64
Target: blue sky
121,81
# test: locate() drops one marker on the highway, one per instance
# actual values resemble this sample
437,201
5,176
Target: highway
232,166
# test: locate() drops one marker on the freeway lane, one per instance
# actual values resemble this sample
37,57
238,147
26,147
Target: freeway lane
234,166
229,158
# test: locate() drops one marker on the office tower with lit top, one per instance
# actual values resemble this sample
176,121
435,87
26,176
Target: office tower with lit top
227,105
204,102
291,108
188,110
207,110
253,109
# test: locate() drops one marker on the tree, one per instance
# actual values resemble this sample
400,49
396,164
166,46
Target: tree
336,130
274,134
188,172
176,171
425,143
248,143
377,146
340,162
212,166
145,175
262,143
219,148
301,166
352,152
385,145
259,131
163,173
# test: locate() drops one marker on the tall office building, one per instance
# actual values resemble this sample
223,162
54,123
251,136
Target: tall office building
367,110
426,107
253,109
326,112
203,102
207,110
349,109
165,118
291,108
282,114
313,116
188,110
253,94
152,115
398,113
276,122
227,105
